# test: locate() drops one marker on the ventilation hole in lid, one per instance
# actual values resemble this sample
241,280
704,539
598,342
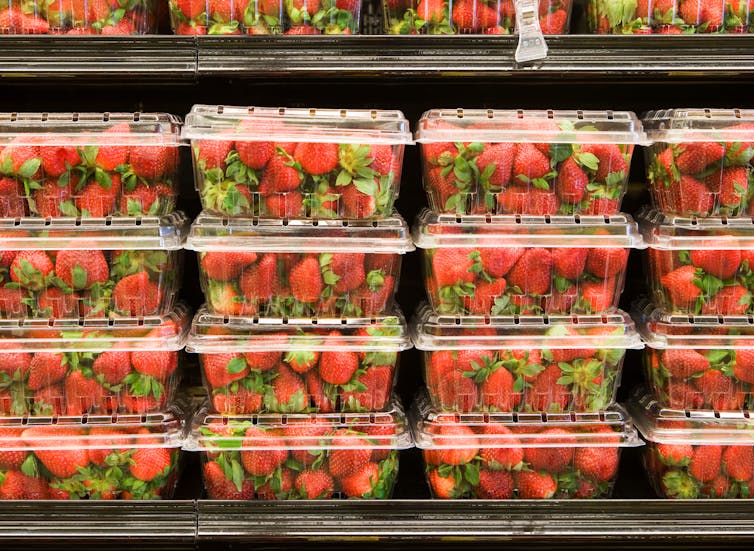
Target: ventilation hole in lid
312,112
737,113
708,113
459,113
580,115
106,116
610,115
373,114
13,117
520,114
490,114
220,109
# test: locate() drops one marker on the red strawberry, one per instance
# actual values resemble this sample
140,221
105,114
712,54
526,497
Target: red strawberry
555,458
284,205
432,11
226,266
279,176
302,29
719,391
142,200
606,262
260,281
695,157
47,368
314,484
601,206
349,267
731,185
497,393
735,300
554,22
30,269
495,485
443,187
683,362
456,392
286,481
96,201
383,161
159,364
530,164
17,485
356,204
264,361
572,182
149,463
610,157
83,395
317,158
443,487
18,154
118,441
11,459
722,263
269,453
569,263
346,462
219,487
535,485
453,265
10,362
62,463
599,295
500,156
12,203
212,153
152,161
705,463
110,156
49,199
738,462
377,382
675,455
306,281
600,464
135,295
503,453
362,483
532,272
680,286
289,392
81,269
545,393
682,395
11,302
460,435
241,402
337,366
497,261
743,369
483,300
690,196
254,154
305,435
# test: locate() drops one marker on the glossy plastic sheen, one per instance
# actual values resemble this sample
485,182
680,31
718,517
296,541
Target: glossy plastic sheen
669,232
699,125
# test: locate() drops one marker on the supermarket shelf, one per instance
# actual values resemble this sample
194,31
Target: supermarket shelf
640,521
138,59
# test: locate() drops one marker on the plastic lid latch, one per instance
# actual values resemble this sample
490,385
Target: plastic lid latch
531,41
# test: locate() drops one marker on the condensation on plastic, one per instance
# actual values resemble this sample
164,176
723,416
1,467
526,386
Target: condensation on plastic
663,330
698,125
433,331
383,236
76,335
669,232
204,422
425,421
366,126
249,334
532,126
166,233
617,230
673,426
69,129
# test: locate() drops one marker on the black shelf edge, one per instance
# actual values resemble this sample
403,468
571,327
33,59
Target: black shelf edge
98,521
401,520
146,58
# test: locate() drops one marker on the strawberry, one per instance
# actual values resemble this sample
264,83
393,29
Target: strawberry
12,203
54,302
301,361
11,460
158,364
110,156
317,158
599,295
680,286
460,435
738,462
530,164
443,487
270,452
545,393
347,462
497,261
305,435
10,362
571,182
606,262
496,392
212,153
682,395
569,263
337,366
362,483
719,487
743,369
377,382
83,394
690,196
135,295
51,197
142,200
16,485
452,265
280,176
554,23
456,392
277,489
495,485
226,266
600,464
722,263
81,269
356,204
432,11
731,185
601,206
442,187
735,300
374,298
119,442
532,272
11,302
504,453
284,205
554,458
260,281
348,267
695,157
46,368
62,463
302,30
30,269
705,463
265,361
18,156
288,392
240,402
610,157
220,487
483,300
684,363
314,484
674,455
383,161
306,281
535,485
96,201
152,161
150,463
719,391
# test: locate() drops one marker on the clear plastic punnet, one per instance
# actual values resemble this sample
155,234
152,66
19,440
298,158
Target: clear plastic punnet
521,455
695,453
698,361
471,17
700,161
291,365
478,161
700,265
523,363
507,264
297,163
90,267
75,367
300,456
301,17
299,268
91,457
85,165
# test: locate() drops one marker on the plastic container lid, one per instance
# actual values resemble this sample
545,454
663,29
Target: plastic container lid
671,426
215,233
112,233
433,230
536,126
699,125
210,431
281,124
669,232
246,334
165,430
59,129
96,335
426,422
660,329
433,331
